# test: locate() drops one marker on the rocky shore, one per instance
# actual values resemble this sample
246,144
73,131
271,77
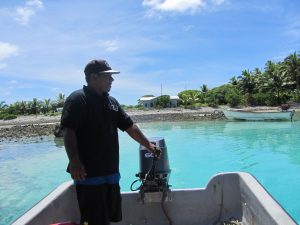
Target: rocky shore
38,126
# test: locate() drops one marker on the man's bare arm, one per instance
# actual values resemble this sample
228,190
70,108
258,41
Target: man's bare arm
77,169
136,134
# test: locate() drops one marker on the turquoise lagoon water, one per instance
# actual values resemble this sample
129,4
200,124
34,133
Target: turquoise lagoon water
31,169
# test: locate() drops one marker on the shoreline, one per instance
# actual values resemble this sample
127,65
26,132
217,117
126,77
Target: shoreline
40,125
136,115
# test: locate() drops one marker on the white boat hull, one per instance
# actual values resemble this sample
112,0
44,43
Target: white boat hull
257,116
227,195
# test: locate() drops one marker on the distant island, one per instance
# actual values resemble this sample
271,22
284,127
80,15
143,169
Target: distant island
278,83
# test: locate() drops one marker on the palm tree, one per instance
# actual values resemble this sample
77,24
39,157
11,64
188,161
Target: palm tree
60,100
194,97
257,75
233,80
247,84
23,107
34,106
257,72
291,66
14,108
46,105
2,106
189,98
200,97
275,80
184,99
204,88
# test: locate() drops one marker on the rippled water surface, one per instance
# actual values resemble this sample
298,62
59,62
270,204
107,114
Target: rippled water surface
30,169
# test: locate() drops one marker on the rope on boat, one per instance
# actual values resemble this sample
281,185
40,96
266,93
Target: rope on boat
138,188
163,206
221,204
232,220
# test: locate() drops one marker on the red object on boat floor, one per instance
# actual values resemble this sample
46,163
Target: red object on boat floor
65,223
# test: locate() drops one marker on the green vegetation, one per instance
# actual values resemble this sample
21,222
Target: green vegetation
163,101
148,96
189,97
128,107
6,116
278,83
46,107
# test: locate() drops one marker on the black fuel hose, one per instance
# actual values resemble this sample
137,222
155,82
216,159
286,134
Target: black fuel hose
138,188
162,203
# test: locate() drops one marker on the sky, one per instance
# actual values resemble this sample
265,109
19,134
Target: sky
160,46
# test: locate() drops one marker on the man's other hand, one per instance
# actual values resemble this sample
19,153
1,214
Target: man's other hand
77,170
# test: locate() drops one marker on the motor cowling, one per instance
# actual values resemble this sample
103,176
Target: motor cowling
154,172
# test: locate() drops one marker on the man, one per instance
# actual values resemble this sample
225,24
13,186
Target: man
90,120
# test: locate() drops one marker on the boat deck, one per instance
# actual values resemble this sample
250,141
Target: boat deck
227,195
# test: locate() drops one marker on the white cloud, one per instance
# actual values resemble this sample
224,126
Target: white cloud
181,6
129,46
174,5
35,3
111,45
24,13
7,50
218,2
13,82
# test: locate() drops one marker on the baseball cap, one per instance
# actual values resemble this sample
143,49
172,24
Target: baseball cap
98,66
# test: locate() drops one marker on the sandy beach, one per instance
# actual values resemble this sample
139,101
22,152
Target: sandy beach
40,125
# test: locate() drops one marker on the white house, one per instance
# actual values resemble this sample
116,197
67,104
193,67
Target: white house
174,101
147,102
150,102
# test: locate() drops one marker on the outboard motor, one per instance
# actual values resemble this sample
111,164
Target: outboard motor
154,173
154,168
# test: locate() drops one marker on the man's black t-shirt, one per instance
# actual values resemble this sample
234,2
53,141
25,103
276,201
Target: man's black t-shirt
96,120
